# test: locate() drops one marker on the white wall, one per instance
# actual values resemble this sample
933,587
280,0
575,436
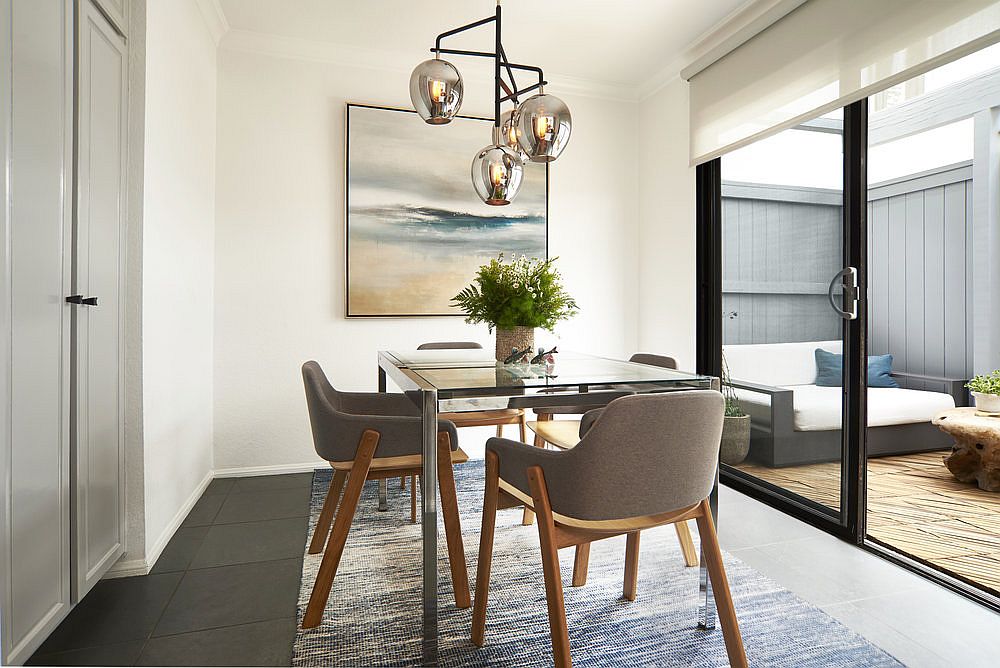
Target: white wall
666,251
178,257
279,272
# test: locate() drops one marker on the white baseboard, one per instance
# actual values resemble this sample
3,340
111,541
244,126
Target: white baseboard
130,567
245,471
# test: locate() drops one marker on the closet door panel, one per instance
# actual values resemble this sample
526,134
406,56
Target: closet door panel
101,141
37,147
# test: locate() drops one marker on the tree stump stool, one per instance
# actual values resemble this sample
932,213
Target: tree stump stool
975,457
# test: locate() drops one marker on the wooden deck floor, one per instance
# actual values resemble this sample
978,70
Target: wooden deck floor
916,506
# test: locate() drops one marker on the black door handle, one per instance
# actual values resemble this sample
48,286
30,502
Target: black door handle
90,301
74,299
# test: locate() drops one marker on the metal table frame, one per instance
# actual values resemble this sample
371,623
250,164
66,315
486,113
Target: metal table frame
427,398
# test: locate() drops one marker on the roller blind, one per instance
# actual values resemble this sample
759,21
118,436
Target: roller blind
824,55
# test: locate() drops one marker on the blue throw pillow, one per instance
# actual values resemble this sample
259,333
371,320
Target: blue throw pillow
879,370
830,370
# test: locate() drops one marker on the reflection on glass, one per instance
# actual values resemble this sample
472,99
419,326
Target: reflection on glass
782,243
926,290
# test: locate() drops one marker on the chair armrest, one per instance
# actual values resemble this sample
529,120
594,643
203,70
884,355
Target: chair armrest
781,404
953,386
759,387
588,420
515,458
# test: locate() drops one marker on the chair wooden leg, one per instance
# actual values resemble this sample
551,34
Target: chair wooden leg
413,499
341,526
539,441
490,499
452,523
581,563
550,569
522,425
687,543
631,565
499,431
720,587
326,514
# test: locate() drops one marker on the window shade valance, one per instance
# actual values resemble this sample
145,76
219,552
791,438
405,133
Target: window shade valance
824,55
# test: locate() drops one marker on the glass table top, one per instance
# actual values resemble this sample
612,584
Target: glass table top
476,369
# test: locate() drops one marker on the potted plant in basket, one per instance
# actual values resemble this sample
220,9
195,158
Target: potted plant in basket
986,389
735,425
515,297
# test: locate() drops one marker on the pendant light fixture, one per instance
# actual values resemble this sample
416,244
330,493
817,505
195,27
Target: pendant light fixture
536,130
436,91
543,127
497,172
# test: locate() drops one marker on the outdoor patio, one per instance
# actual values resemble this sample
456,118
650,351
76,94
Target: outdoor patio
914,506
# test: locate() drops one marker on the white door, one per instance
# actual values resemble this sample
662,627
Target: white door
100,221
36,155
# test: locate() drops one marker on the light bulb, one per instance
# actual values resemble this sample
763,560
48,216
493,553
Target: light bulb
496,174
543,126
438,89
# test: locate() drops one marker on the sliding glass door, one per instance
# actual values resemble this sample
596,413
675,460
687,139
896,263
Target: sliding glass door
783,309
848,286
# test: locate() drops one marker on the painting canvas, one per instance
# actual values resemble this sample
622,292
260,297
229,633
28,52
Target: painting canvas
416,230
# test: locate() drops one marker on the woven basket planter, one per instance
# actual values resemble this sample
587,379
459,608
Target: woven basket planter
515,337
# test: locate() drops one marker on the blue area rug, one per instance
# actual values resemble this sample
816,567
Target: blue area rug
373,615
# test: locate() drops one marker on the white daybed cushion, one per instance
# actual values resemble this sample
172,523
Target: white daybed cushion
777,364
819,408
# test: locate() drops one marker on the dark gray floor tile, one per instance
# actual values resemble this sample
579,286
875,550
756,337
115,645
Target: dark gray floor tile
119,654
114,611
264,505
220,486
180,550
259,644
214,597
204,510
229,544
266,482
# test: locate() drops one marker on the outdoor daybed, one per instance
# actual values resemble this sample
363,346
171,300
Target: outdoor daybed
794,421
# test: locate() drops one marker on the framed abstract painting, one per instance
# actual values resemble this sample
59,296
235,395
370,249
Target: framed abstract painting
416,230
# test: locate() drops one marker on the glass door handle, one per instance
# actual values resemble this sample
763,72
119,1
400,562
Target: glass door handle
848,277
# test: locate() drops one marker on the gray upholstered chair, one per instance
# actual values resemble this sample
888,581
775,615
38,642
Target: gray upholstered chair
488,418
565,437
646,460
549,412
373,436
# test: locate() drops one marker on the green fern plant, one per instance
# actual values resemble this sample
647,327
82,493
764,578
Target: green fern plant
524,292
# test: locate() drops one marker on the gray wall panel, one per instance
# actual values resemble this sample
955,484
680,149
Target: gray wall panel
781,247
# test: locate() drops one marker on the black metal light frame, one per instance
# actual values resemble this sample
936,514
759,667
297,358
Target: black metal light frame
501,64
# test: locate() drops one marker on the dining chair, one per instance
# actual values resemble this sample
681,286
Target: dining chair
545,413
645,461
488,418
565,434
373,436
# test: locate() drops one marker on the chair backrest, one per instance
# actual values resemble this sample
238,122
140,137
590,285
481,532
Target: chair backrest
324,417
654,360
647,454
449,345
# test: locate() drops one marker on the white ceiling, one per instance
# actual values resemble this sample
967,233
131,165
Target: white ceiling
620,42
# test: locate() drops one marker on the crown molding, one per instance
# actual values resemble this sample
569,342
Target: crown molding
739,27
294,48
215,18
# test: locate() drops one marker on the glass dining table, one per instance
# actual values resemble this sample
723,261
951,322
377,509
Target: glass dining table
471,380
